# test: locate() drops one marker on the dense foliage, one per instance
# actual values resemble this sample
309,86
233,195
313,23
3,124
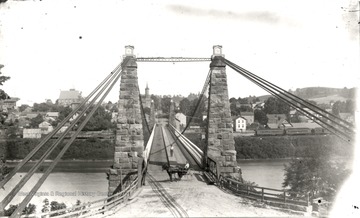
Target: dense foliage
316,172
31,208
89,149
290,146
317,175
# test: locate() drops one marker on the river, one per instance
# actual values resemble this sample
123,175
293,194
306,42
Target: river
86,181
265,173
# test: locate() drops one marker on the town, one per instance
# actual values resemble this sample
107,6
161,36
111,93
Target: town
251,115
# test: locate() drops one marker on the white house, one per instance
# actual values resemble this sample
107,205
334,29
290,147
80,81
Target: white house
180,121
239,124
31,133
45,127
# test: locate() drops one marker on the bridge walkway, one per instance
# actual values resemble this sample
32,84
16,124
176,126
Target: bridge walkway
188,197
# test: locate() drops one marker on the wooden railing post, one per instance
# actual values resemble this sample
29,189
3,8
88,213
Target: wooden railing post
237,187
307,199
140,162
284,197
247,189
262,194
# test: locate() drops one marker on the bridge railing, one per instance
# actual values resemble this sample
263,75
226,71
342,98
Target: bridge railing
148,147
105,206
101,208
213,167
193,150
274,197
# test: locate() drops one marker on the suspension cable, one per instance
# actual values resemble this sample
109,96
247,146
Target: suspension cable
309,114
291,96
206,84
279,96
27,199
24,179
51,134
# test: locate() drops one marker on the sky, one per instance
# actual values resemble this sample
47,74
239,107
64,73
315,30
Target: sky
52,45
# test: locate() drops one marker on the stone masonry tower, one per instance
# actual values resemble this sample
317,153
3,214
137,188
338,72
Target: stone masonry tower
221,145
129,145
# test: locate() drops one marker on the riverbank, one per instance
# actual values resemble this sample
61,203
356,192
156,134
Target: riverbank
68,166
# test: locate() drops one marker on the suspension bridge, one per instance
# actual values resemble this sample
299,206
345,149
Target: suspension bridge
141,171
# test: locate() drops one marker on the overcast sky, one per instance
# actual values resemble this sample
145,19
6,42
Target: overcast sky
48,46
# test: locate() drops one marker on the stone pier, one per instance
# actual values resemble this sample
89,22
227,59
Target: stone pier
129,145
221,145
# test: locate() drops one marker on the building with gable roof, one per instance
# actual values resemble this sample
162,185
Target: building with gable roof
249,116
239,124
69,97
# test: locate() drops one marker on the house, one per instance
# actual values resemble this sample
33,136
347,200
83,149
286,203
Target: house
8,104
276,121
31,115
249,116
45,127
54,115
31,133
259,106
239,124
114,116
180,121
67,98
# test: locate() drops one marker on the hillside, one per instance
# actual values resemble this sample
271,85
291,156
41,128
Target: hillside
321,94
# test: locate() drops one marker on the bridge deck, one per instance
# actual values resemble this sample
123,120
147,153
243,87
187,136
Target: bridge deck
189,197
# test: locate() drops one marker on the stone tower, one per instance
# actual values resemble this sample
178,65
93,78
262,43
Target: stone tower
221,145
129,145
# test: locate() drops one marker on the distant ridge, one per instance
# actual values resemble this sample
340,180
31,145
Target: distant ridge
321,94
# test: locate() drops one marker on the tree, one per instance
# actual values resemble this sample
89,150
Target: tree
34,122
31,208
318,175
156,100
270,106
336,108
185,106
197,117
350,106
260,117
276,106
165,104
54,205
63,113
101,120
23,107
233,108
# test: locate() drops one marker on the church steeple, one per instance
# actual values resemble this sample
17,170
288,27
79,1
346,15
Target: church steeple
147,91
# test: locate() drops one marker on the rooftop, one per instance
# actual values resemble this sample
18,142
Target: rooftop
71,94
